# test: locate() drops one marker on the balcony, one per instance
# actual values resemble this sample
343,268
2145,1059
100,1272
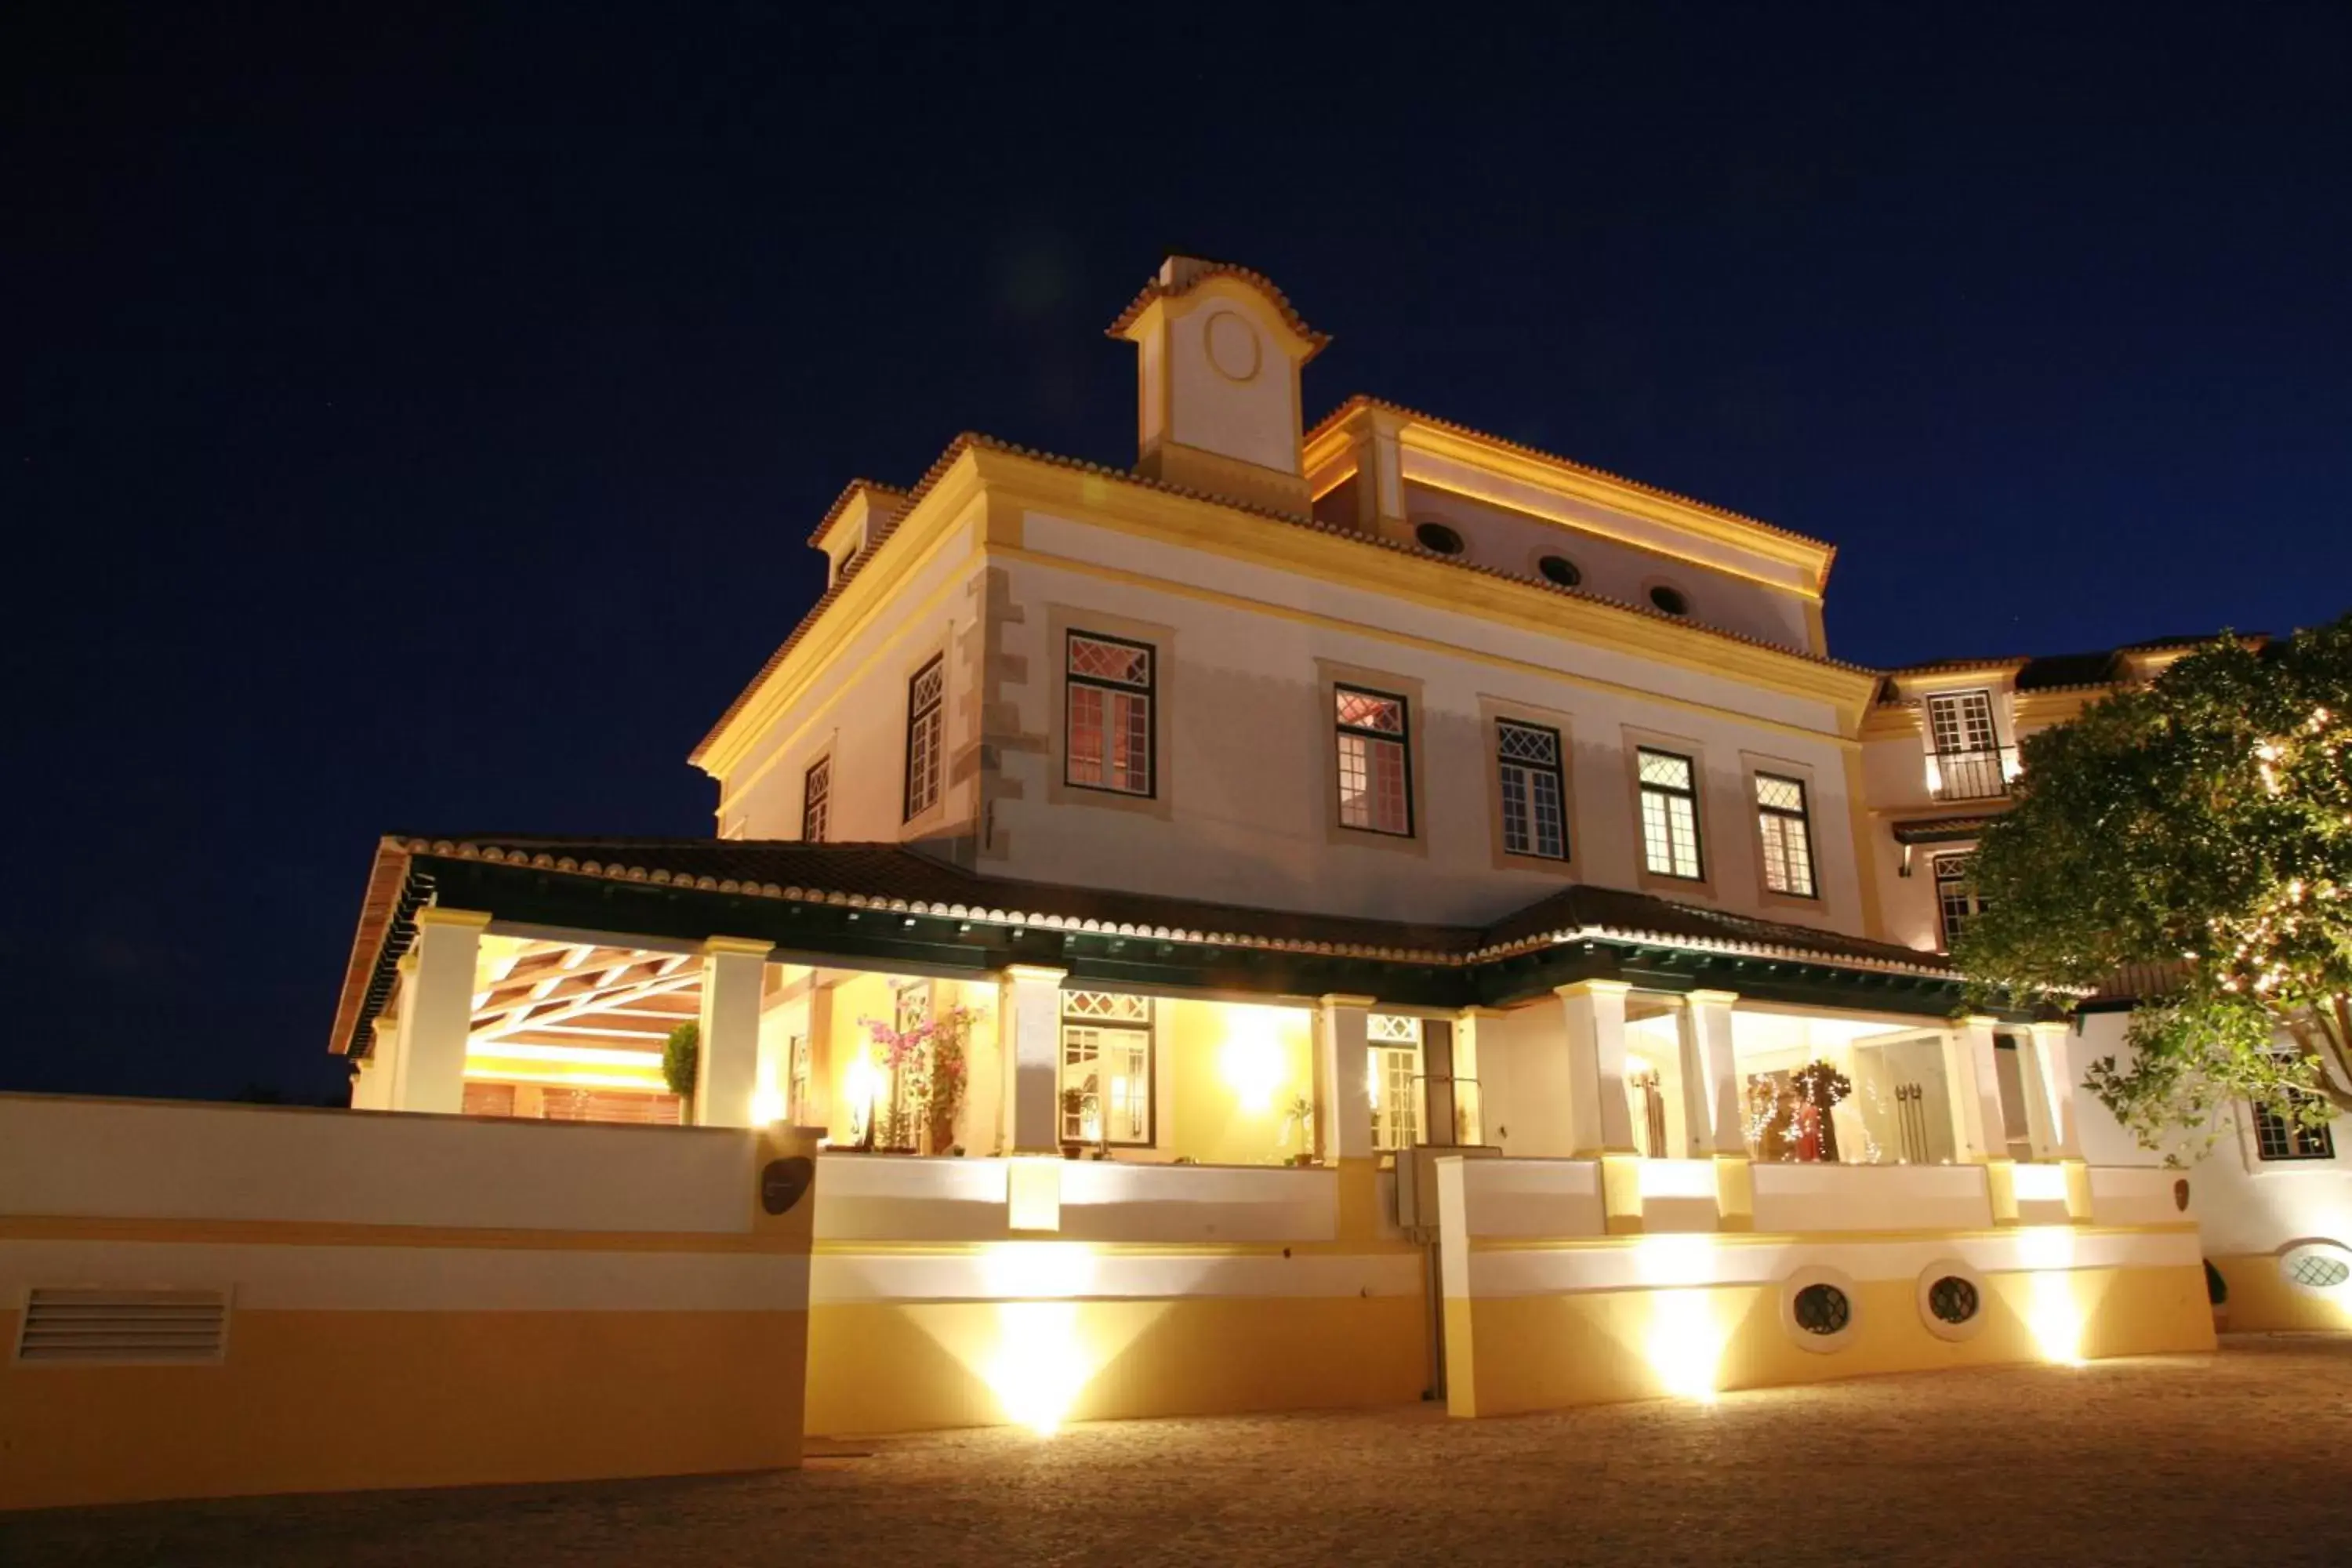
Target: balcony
1971,775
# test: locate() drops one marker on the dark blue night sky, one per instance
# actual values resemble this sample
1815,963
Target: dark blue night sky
414,419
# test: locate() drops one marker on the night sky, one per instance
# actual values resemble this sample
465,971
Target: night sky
414,420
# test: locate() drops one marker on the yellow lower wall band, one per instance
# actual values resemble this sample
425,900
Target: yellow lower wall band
2262,1301
334,1401
1549,1353
895,1367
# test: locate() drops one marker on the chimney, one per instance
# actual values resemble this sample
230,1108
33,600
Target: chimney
1218,351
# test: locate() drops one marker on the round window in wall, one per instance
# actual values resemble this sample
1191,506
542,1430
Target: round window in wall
1560,569
2317,1268
1671,600
1822,1309
1436,536
1953,1299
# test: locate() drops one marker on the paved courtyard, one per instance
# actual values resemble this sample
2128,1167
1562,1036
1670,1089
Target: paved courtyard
2237,1457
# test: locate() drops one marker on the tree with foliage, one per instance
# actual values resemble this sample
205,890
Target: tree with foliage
2201,824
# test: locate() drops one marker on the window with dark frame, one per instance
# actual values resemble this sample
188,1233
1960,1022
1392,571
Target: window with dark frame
1527,762
1105,1069
1957,901
926,725
1787,833
1106,711
816,800
1670,840
1375,760
2284,1136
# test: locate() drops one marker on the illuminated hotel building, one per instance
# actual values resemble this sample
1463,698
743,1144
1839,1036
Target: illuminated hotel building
1318,916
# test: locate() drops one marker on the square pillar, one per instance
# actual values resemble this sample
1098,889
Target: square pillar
1714,1116
1343,1114
727,1068
1469,1092
1029,1021
1972,1077
2050,1094
437,1010
1600,1120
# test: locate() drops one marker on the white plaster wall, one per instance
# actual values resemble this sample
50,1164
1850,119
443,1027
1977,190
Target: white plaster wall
1524,1089
1510,540
1244,769
857,708
147,1159
2241,1204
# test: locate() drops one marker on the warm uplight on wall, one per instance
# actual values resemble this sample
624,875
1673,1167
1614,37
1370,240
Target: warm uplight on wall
1041,1364
1251,1061
2051,1311
767,1106
1685,1345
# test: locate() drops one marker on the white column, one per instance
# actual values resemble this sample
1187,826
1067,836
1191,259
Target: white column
1713,1114
1972,1076
1029,1014
1598,1117
2052,1084
1343,1115
727,1066
437,1010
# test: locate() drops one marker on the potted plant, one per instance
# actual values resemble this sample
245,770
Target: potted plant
1073,1106
1301,1116
681,1061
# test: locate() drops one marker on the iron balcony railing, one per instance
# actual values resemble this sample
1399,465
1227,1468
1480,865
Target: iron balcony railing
1971,775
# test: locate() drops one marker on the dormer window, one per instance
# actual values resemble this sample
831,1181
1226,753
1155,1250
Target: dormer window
1438,538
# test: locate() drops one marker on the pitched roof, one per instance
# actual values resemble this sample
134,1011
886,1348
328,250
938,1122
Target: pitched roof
1187,273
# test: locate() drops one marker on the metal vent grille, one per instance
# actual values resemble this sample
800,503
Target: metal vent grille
83,1327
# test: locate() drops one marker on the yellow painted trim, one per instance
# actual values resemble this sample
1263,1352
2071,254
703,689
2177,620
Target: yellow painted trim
339,1233
913,618
1343,560
1574,485
462,919
1811,1237
920,532
1405,639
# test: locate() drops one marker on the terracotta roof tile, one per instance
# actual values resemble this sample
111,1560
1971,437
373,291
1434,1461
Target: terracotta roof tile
1200,272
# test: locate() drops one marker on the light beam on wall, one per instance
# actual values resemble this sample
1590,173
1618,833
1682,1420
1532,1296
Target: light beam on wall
1251,1061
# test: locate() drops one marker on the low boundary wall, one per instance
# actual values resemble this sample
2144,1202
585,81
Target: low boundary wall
231,1299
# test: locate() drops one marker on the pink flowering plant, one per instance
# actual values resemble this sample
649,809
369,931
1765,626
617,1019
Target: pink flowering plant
927,1069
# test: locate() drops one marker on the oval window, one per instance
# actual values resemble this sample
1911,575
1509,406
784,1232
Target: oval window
1822,1309
1670,600
2316,1267
1560,569
1952,1299
1436,536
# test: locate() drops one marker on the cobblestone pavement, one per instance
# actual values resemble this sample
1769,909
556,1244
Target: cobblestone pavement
2239,1457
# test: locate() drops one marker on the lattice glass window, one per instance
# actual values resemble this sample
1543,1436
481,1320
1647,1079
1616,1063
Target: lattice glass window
1669,813
1960,721
1534,790
1106,1082
1108,701
1375,791
1957,901
1782,821
1393,1028
816,800
926,737
797,1081
2286,1136
1394,1081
